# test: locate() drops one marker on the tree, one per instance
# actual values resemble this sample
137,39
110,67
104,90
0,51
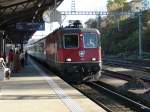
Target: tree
115,5
91,23
120,2
109,2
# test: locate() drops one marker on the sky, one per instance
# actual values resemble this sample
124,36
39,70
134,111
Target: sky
80,5
83,5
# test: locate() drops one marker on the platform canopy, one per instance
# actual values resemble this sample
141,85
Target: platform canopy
18,11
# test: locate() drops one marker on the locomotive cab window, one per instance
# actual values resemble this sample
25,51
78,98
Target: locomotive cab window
90,40
70,41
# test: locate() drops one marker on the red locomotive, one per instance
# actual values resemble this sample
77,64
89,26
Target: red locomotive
75,52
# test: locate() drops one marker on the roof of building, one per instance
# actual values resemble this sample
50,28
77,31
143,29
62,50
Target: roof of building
14,11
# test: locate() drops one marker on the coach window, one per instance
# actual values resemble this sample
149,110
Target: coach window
60,42
41,46
37,48
70,41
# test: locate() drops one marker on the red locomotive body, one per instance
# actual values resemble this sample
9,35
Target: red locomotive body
75,52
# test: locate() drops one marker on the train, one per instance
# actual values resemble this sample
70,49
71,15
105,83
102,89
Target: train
73,51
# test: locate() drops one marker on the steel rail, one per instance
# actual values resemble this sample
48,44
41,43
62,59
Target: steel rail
139,105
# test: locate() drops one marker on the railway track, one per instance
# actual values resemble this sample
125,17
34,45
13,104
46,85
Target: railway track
132,83
117,75
124,76
142,66
128,65
109,100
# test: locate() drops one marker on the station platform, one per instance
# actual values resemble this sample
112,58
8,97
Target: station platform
33,90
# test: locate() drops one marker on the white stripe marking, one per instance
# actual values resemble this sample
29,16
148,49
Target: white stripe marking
72,105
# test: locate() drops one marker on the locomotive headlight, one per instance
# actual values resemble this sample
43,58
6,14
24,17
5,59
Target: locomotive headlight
68,59
93,59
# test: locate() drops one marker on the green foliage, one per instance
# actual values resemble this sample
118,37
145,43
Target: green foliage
148,23
92,23
120,1
114,41
127,45
146,40
126,40
116,5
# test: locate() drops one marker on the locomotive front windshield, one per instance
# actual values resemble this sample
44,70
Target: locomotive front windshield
70,41
90,40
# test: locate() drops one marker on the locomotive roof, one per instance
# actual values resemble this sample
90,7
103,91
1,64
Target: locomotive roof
76,30
70,30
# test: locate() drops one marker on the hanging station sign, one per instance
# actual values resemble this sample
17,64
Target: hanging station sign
27,26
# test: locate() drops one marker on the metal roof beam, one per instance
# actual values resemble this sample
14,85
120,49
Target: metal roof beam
16,7
20,3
